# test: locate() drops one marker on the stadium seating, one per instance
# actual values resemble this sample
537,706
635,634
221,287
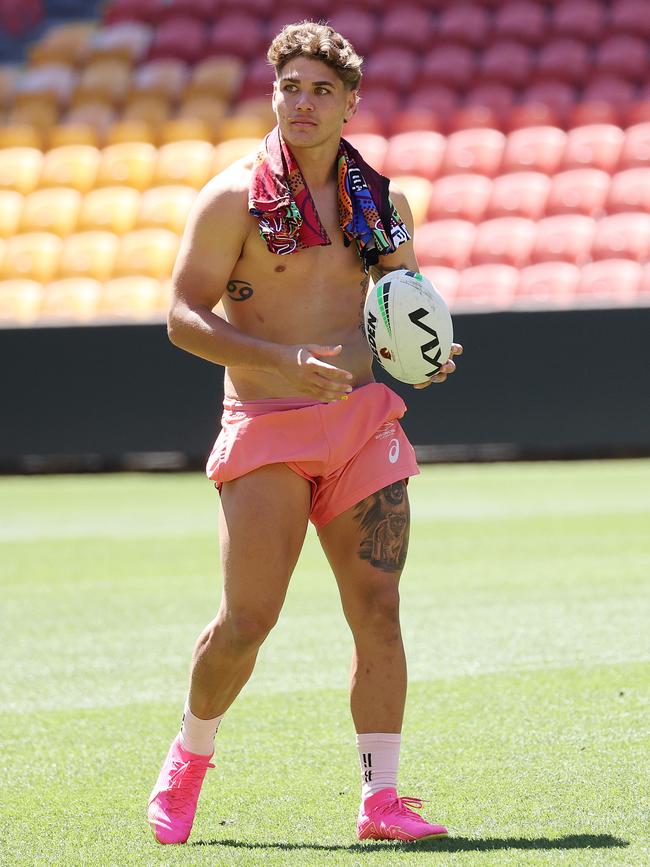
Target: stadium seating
521,20
596,145
490,285
580,19
535,148
610,281
51,210
20,168
622,236
166,207
636,146
520,194
20,301
566,238
504,240
464,22
415,153
70,166
462,196
548,283
11,207
150,252
130,163
474,150
89,254
31,256
130,298
444,242
578,191
445,280
113,209
629,191
70,298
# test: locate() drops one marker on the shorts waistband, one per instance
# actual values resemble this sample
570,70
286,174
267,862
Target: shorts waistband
275,404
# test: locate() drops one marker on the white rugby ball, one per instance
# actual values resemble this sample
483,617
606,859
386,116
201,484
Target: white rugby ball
408,326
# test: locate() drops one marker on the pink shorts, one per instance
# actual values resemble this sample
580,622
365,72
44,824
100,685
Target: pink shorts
346,450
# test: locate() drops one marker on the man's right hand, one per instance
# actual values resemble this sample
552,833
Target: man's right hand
303,367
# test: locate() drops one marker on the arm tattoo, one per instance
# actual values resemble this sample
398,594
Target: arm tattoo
384,521
365,282
239,290
378,271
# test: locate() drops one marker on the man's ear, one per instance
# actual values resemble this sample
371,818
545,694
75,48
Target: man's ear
352,105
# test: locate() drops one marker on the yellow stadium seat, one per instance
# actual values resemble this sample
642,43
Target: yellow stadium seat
126,40
185,129
38,113
218,77
13,135
11,206
55,209
89,254
67,43
129,163
150,252
72,134
71,298
130,297
228,152
152,109
97,115
111,208
241,126
165,297
418,194
20,300
104,81
32,256
184,162
9,75
166,78
166,207
54,81
70,166
206,109
258,108
131,131
20,168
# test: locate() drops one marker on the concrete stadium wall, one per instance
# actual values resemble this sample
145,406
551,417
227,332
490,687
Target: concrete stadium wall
551,384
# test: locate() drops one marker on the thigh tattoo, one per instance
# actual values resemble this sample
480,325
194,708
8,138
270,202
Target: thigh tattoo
383,519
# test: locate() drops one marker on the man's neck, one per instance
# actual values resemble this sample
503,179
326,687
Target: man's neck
318,165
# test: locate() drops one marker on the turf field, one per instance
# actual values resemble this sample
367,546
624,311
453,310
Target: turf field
526,609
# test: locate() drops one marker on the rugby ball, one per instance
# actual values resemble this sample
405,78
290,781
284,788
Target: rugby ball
408,326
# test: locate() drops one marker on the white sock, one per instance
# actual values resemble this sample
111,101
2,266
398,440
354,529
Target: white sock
379,760
197,735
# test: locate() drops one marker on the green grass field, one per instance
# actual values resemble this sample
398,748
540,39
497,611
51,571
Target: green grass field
526,612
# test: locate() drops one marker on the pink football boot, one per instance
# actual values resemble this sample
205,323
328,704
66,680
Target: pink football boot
172,804
384,816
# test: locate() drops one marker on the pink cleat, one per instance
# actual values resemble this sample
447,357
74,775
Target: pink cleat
172,804
384,816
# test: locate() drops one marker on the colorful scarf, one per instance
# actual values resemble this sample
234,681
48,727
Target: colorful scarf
285,209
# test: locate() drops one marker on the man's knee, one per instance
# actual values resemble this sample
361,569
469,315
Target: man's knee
247,627
376,609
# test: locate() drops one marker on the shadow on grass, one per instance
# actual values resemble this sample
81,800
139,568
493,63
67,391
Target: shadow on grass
449,844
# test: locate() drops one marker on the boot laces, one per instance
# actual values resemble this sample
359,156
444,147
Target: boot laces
403,807
185,779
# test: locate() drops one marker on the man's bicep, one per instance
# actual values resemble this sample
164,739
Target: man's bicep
404,256
210,247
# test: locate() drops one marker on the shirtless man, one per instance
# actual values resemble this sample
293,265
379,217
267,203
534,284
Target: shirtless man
306,432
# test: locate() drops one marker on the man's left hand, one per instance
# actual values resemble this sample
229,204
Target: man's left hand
448,367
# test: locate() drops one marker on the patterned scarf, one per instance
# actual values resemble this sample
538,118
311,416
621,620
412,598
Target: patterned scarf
287,216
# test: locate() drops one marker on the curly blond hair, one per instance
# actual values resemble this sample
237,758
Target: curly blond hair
320,42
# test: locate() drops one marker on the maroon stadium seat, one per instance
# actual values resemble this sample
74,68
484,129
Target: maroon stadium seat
636,147
630,16
415,120
547,283
473,117
535,148
419,152
586,113
259,80
596,145
391,67
474,150
132,10
202,10
578,191
629,191
184,38
532,114
622,236
494,95
442,100
559,96
444,242
462,196
566,238
582,19
407,26
609,88
637,112
358,26
523,20
464,22
519,194
610,281
452,65
624,56
444,279
507,62
565,60
491,284
373,148
237,33
508,240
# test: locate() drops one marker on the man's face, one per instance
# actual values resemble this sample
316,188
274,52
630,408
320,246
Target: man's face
311,103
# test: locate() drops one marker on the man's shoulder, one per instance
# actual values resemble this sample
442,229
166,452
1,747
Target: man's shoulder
225,196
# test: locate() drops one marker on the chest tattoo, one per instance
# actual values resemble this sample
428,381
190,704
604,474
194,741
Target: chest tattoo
239,290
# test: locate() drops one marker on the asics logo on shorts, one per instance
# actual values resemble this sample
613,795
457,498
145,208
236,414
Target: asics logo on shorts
393,451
